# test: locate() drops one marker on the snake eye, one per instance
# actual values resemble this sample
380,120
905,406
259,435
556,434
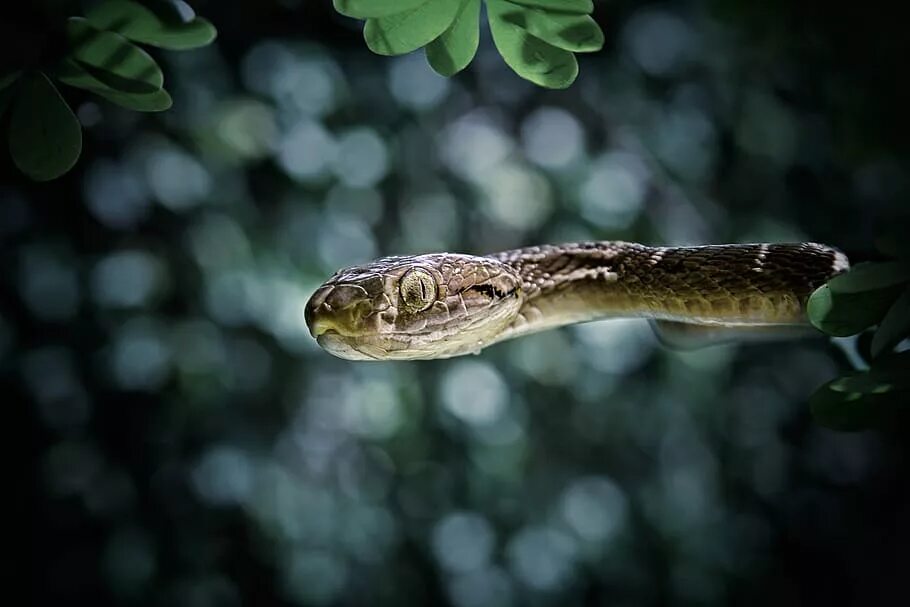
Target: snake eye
418,290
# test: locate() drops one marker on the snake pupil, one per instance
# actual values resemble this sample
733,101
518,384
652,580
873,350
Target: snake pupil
417,290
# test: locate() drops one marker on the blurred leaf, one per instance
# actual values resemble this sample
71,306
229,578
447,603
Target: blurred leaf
864,399
71,73
456,47
578,7
843,314
529,56
140,23
869,276
895,326
570,32
112,59
45,138
409,30
366,9
158,101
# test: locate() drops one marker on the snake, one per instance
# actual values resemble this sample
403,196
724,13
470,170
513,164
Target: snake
441,305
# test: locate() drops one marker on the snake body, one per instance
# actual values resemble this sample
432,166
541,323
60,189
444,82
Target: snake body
444,304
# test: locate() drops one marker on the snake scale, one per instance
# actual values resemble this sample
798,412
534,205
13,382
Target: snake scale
441,305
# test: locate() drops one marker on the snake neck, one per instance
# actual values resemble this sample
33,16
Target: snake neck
736,284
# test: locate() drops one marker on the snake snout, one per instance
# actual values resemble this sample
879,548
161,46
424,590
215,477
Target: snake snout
335,307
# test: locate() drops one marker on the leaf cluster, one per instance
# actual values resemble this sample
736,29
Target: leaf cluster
538,39
871,300
97,53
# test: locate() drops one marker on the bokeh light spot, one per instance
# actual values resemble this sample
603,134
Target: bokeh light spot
552,138
116,195
125,279
463,541
613,193
307,151
414,84
361,159
542,557
48,284
474,392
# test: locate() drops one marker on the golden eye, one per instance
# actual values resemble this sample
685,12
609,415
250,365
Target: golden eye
418,290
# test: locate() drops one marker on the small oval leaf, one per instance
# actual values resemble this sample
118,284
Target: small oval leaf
844,314
529,56
71,73
869,276
456,47
570,32
367,9
137,22
112,59
45,138
894,327
408,31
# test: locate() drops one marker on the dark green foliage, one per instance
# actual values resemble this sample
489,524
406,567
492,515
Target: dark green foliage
169,29
44,135
112,59
536,38
408,31
876,398
454,49
873,294
95,54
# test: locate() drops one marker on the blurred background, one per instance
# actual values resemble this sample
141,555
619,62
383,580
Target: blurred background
189,444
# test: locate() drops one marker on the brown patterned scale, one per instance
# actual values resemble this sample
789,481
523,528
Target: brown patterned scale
444,304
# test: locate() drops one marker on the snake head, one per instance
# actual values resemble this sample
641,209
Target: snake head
414,307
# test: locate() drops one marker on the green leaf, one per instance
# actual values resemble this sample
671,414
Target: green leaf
455,48
578,7
570,32
895,326
45,138
71,73
843,314
112,59
860,400
366,9
138,22
409,30
869,276
158,101
529,56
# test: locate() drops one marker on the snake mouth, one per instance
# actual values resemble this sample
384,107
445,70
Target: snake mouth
341,346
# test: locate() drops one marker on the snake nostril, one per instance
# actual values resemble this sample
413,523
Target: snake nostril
316,301
335,307
345,295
